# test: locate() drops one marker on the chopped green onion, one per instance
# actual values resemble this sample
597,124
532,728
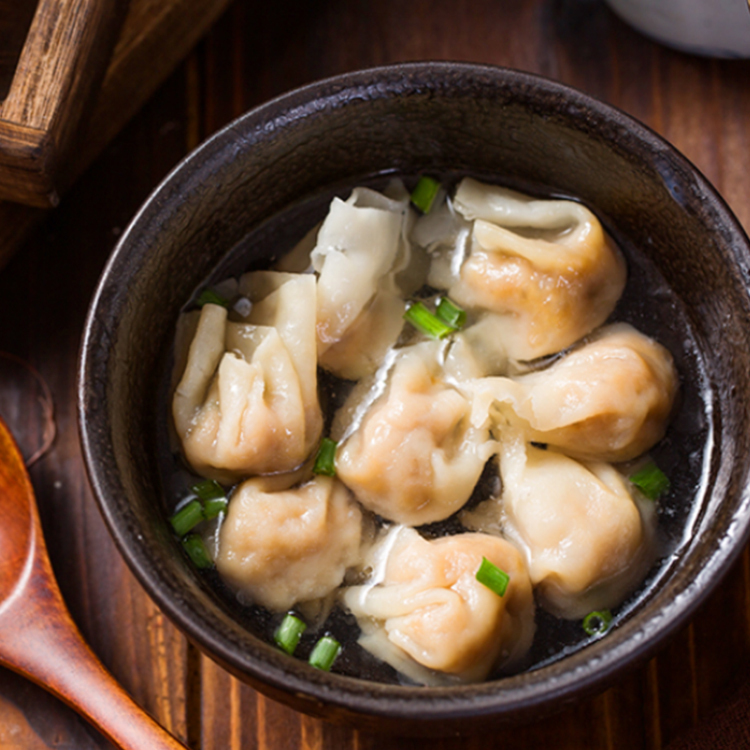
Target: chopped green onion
597,623
325,460
197,552
423,320
287,635
651,481
424,194
324,653
187,517
209,489
210,297
492,577
214,507
449,312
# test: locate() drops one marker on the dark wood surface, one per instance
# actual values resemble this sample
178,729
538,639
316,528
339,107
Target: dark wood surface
254,52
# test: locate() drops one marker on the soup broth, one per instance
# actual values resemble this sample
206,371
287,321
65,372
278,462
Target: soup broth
647,304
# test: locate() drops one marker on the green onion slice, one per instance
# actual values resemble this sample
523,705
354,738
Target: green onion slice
325,460
287,635
215,506
197,552
210,297
424,194
423,320
449,312
492,577
324,653
187,517
209,489
597,623
651,481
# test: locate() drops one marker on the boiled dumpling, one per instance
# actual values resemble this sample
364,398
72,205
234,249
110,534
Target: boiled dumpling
445,234
425,613
585,541
610,399
280,548
414,458
372,333
361,249
247,400
546,267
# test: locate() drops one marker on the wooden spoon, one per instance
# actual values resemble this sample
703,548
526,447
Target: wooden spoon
38,637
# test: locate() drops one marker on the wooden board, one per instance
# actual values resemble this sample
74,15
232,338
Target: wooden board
60,66
154,37
257,51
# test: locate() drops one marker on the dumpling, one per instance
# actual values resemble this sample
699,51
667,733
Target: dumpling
546,267
414,458
373,332
361,248
281,548
585,541
610,399
426,614
247,400
445,234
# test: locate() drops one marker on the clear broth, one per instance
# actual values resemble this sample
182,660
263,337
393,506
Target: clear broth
647,303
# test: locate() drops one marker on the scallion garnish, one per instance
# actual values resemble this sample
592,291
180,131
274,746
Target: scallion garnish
424,193
210,297
423,320
208,490
215,506
450,313
651,481
325,460
324,653
187,517
287,635
197,552
492,577
597,623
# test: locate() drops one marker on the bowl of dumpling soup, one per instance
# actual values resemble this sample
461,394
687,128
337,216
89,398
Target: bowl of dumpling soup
418,397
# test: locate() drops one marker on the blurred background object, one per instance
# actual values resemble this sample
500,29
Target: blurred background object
715,28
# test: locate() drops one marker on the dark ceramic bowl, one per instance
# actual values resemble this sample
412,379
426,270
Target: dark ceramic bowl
447,119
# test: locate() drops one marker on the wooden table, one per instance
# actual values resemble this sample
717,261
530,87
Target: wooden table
256,51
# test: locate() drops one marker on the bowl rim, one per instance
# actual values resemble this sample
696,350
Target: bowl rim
584,671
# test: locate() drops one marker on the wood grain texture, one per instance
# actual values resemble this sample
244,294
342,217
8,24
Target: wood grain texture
38,638
155,36
60,66
254,52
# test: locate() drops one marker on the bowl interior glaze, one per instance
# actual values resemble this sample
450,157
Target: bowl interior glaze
408,119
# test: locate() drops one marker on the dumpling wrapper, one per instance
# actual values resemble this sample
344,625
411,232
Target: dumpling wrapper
546,267
426,614
247,400
609,399
282,548
584,537
414,458
361,249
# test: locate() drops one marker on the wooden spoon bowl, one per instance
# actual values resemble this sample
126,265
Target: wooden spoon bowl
38,637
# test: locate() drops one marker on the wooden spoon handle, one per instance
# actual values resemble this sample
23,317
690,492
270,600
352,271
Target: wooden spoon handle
42,643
